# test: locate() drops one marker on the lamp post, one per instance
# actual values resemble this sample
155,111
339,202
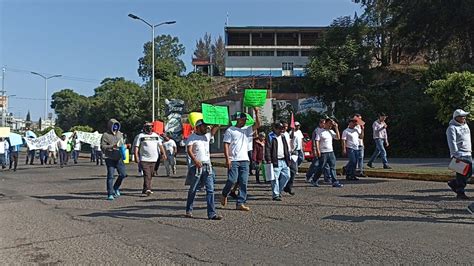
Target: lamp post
5,109
152,59
46,91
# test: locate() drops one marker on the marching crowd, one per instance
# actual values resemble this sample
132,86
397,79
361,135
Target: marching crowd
275,156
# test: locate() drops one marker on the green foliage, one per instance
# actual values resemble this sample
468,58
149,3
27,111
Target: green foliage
72,109
215,52
453,92
203,47
218,54
167,62
82,128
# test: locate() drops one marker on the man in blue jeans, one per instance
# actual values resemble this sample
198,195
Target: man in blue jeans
277,153
200,170
111,144
380,137
236,141
350,147
314,164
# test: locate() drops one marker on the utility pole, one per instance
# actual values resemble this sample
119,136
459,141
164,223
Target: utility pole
4,99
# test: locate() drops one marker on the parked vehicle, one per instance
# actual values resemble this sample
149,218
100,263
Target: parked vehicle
307,147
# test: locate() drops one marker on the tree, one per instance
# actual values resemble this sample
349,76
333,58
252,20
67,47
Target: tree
453,92
218,55
28,116
203,47
82,128
167,62
72,108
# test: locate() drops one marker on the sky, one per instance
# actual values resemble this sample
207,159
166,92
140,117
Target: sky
86,41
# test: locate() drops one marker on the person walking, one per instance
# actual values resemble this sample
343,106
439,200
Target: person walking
3,161
325,152
277,153
236,140
148,147
52,153
111,143
350,147
314,163
43,155
171,150
98,155
298,143
380,137
76,149
458,136
200,171
14,150
258,154
360,127
62,147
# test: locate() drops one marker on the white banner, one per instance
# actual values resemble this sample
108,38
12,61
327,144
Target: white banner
90,138
43,141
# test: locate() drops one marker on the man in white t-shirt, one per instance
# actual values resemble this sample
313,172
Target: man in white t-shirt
350,147
62,148
52,152
314,164
200,169
171,149
3,161
76,150
380,136
325,152
148,146
298,142
236,140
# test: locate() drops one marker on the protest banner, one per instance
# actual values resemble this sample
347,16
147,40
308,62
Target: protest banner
255,97
43,141
90,138
15,139
215,115
4,132
30,134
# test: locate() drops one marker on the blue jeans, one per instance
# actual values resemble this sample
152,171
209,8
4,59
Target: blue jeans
75,155
206,175
360,159
238,172
111,166
3,161
461,180
282,175
352,155
300,157
379,150
326,158
314,166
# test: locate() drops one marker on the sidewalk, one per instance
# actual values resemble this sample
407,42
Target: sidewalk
429,169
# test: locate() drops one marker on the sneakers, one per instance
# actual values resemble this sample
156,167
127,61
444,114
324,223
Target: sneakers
277,198
189,215
308,179
233,195
470,208
361,175
337,184
315,183
148,192
216,217
242,208
387,167
462,196
370,165
117,192
224,201
110,197
352,178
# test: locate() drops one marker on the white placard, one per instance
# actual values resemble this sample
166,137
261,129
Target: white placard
90,138
269,174
43,141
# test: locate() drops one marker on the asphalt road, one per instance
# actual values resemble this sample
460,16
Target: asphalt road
53,215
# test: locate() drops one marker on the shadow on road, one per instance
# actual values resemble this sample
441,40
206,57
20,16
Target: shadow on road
385,218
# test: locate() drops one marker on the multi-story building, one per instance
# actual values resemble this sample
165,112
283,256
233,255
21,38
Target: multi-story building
269,51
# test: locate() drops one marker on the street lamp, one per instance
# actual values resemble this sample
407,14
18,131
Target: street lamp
5,108
45,91
152,59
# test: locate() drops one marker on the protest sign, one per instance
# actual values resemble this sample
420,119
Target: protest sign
158,127
249,121
215,115
255,97
43,141
4,132
90,138
15,139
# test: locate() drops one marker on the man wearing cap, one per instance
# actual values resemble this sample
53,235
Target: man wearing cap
459,141
314,164
236,141
350,147
171,149
148,147
200,169
277,153
380,137
298,142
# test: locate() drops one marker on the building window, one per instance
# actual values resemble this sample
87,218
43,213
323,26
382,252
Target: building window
262,38
238,53
287,53
306,53
287,66
238,38
263,53
287,38
309,38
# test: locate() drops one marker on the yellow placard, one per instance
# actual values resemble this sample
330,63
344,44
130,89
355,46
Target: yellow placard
4,132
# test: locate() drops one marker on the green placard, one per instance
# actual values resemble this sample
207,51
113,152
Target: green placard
255,97
215,115
249,121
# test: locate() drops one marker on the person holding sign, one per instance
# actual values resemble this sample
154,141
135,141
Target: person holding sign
110,143
236,142
459,141
200,168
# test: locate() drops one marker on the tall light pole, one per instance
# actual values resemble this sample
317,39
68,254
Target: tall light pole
152,59
45,91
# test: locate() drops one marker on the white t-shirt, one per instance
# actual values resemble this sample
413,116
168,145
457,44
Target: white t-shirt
298,135
351,136
281,151
359,129
379,131
238,138
77,146
200,146
325,140
170,145
62,144
2,147
52,147
148,146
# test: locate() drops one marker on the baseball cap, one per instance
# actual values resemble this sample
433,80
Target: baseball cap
240,115
262,134
199,122
297,123
460,112
382,114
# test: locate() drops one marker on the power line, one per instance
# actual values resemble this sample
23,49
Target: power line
71,78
